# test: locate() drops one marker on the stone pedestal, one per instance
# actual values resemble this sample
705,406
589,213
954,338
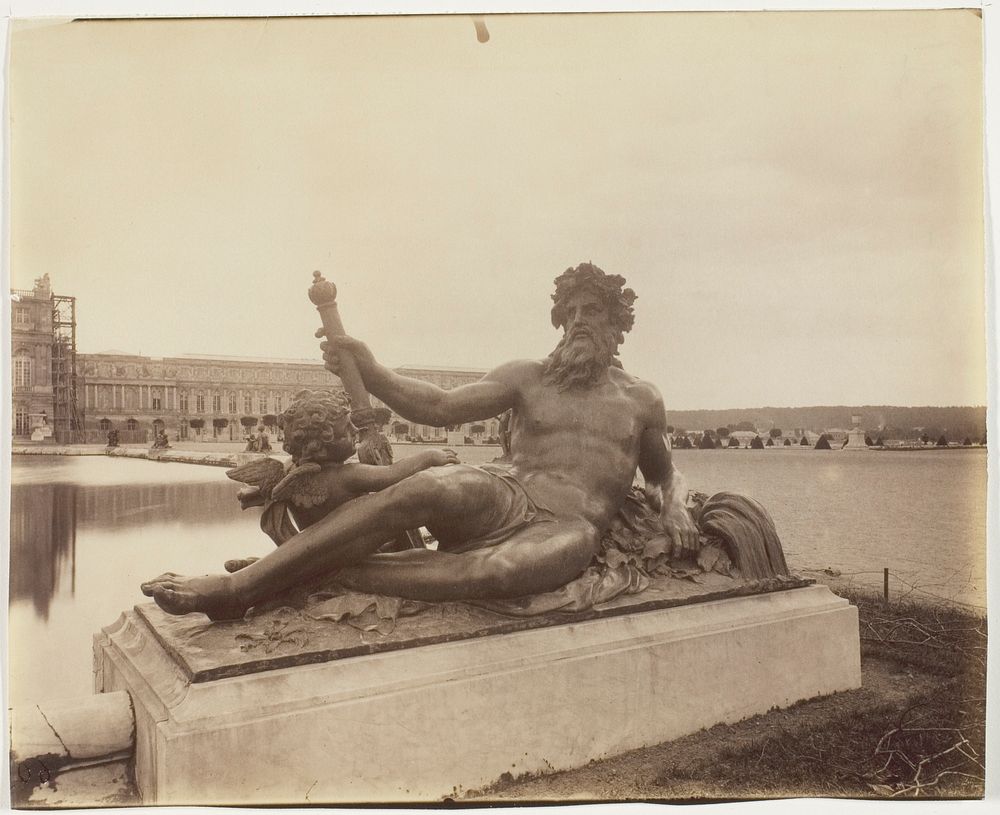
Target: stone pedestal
856,440
416,717
40,429
421,722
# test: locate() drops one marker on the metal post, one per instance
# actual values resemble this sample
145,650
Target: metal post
885,584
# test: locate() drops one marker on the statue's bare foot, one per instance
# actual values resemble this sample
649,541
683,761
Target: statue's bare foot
239,563
212,595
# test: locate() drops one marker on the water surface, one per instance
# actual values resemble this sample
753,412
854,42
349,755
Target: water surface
922,514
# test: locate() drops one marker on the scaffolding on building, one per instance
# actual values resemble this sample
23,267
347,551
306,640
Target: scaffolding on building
67,422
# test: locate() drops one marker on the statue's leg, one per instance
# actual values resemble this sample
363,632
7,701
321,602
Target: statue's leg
349,534
541,556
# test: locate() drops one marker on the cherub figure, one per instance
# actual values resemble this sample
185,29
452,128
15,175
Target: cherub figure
320,438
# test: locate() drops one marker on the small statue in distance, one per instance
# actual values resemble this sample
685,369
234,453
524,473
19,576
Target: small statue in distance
160,441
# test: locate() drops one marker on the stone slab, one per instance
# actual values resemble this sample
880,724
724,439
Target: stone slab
419,724
59,743
285,634
99,785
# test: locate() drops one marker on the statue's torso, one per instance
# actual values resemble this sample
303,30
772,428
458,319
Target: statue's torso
576,451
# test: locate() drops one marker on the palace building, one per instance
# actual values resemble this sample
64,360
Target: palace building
204,398
190,397
78,398
43,347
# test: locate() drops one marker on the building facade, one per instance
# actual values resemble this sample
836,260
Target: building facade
217,398
192,397
31,358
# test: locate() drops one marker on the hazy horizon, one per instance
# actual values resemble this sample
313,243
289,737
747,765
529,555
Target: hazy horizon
796,198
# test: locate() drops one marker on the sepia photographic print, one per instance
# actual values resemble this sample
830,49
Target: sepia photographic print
497,409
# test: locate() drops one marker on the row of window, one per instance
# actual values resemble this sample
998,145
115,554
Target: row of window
184,403
189,402
131,371
23,371
254,375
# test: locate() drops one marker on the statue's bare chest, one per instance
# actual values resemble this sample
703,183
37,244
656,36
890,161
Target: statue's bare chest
607,413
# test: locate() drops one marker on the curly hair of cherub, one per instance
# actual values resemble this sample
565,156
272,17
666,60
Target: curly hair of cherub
317,426
609,287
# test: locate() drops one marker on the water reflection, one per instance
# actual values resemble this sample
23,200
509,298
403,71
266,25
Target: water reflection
122,507
43,522
45,518
85,532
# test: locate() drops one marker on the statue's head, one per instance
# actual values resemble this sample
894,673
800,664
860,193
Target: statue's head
317,427
595,312
607,289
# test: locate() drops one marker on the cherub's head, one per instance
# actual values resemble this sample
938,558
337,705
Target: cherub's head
318,427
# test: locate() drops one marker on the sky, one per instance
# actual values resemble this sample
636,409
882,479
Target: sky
796,198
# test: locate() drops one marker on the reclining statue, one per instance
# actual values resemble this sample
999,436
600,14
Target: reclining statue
580,427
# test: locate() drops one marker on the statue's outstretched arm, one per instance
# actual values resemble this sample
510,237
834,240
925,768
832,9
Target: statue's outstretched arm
430,405
423,402
364,478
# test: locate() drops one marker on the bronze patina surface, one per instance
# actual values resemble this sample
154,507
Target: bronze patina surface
581,429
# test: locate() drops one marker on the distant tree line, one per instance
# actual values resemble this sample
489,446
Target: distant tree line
891,423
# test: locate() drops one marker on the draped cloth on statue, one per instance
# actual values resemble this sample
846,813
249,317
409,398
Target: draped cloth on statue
738,539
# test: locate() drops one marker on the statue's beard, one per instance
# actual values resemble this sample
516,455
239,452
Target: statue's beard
580,359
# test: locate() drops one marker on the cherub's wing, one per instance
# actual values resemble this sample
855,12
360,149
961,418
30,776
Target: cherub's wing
303,486
264,473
